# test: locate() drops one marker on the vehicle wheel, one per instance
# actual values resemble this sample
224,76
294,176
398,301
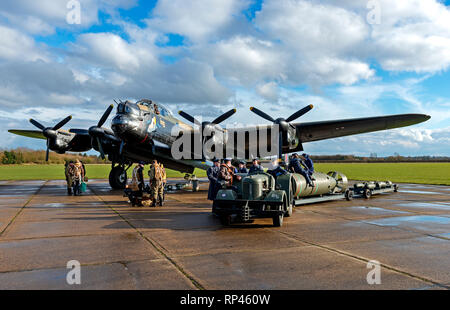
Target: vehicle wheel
290,208
278,220
395,188
348,195
118,178
225,220
289,211
367,193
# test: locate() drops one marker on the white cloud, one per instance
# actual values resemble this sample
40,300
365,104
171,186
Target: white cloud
44,16
15,45
108,49
196,19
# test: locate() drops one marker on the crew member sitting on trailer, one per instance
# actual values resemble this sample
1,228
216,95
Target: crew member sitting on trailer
308,163
276,170
213,175
242,167
296,165
256,167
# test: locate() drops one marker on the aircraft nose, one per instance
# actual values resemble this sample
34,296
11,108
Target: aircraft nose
119,124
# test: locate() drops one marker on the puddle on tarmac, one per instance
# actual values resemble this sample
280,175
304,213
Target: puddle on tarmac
419,219
54,205
446,235
424,205
375,210
420,192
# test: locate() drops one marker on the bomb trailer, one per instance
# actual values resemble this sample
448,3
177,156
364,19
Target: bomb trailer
260,195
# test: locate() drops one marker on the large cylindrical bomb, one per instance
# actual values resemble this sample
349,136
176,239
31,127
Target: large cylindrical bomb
333,182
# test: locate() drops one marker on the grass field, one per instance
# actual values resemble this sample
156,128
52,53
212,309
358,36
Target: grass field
56,172
424,173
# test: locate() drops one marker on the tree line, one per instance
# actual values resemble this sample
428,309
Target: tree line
27,156
373,158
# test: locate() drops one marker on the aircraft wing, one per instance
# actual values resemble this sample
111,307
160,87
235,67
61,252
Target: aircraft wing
36,134
316,131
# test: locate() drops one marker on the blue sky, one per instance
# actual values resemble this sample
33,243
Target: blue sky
208,56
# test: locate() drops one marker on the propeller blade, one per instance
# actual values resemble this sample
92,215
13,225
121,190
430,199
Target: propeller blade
280,145
62,123
121,147
299,113
100,148
262,114
224,117
47,154
105,116
37,124
189,118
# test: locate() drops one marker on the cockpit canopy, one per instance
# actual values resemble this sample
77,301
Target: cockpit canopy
127,108
154,107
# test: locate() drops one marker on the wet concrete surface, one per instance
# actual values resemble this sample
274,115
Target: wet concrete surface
182,246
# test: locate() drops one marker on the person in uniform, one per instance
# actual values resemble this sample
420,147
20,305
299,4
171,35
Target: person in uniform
137,185
227,174
213,175
277,169
242,167
156,183
164,175
308,163
138,177
77,175
296,165
68,168
256,167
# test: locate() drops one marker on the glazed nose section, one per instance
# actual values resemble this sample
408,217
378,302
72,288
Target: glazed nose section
120,124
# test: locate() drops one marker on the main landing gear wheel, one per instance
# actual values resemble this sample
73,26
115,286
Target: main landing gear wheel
118,178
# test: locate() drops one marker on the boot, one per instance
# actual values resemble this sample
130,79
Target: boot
161,203
154,203
69,191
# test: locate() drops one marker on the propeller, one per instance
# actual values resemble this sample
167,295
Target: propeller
50,132
284,124
203,125
97,131
217,121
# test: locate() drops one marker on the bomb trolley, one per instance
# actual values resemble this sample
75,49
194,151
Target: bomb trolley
369,189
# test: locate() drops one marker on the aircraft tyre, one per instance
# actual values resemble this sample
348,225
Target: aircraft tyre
118,178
